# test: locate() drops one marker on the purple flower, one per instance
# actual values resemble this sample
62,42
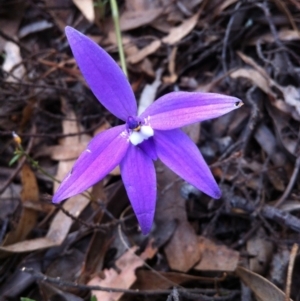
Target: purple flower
142,139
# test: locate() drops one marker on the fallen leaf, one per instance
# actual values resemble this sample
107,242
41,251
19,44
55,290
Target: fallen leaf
87,8
284,34
292,97
224,5
263,289
216,257
144,52
35,27
149,92
260,252
255,77
172,78
134,19
12,59
28,218
179,32
126,264
182,251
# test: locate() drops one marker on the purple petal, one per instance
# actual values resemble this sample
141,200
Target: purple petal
103,75
177,109
103,154
176,150
149,148
138,175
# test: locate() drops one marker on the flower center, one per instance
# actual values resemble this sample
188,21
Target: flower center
133,124
138,132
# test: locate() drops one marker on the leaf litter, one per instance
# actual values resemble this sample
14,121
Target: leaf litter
204,247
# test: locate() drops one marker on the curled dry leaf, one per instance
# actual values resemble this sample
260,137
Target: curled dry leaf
144,52
263,289
179,32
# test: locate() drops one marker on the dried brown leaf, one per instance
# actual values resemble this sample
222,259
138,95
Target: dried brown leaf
182,251
216,257
135,19
179,32
173,76
263,289
255,77
127,264
144,52
260,252
224,5
283,35
28,218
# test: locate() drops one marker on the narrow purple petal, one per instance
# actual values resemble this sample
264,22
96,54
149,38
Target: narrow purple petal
138,175
103,154
176,150
177,109
149,148
103,75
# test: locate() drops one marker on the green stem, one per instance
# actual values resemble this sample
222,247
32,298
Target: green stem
115,14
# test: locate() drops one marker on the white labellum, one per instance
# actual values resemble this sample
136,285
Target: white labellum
144,133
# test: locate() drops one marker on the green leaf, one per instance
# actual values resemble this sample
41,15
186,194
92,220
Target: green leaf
93,298
26,299
14,159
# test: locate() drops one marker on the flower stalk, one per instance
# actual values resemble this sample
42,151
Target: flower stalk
115,15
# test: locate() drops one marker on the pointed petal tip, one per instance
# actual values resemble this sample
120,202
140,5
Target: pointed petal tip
103,75
216,193
177,109
238,103
145,221
70,30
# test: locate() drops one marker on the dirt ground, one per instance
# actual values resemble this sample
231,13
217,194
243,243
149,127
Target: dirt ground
241,247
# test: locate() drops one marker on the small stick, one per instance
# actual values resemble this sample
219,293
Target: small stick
290,272
290,185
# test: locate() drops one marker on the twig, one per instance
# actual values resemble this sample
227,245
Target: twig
269,212
226,37
290,272
187,292
290,185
